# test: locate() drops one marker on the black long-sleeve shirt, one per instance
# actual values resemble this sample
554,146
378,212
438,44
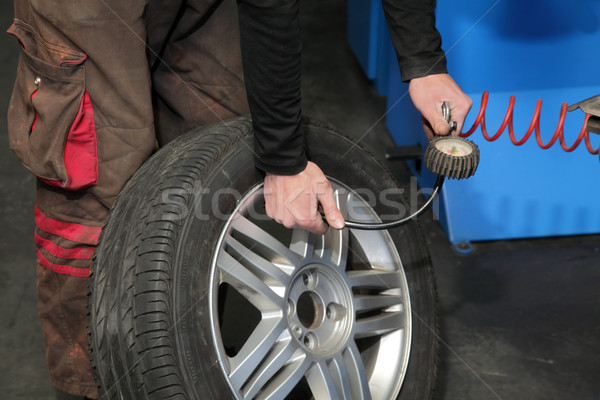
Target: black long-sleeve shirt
270,38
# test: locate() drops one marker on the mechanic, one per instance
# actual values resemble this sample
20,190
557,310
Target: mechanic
101,84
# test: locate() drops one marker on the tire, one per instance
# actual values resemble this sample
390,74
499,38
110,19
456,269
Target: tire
195,294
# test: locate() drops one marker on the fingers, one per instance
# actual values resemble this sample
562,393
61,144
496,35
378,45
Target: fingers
429,132
333,215
429,93
440,125
293,201
459,112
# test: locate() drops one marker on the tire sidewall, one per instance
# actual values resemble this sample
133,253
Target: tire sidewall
340,159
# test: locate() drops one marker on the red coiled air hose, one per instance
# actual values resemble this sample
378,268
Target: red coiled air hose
535,125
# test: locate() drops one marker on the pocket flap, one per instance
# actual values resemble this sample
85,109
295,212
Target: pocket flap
40,49
50,118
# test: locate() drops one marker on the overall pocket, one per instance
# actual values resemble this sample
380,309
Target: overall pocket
50,118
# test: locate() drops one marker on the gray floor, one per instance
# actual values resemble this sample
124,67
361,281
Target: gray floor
519,319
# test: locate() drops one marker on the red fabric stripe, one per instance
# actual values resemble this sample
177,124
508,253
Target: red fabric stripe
74,61
11,31
62,269
81,253
81,150
36,114
73,232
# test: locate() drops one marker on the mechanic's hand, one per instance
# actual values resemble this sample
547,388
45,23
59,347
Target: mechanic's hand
293,200
429,92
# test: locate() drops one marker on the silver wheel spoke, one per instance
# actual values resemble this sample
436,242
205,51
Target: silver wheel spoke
279,355
368,303
261,341
266,270
261,242
375,279
339,239
247,284
339,247
356,373
339,374
321,382
303,243
286,379
379,324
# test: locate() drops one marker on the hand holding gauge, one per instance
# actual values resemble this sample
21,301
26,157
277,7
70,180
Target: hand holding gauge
446,156
451,156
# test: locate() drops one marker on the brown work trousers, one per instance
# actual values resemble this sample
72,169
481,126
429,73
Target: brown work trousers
100,85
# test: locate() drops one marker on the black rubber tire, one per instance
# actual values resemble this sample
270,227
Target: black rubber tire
149,278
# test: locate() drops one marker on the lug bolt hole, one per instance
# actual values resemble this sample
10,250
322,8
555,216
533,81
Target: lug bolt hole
335,312
297,331
310,340
309,279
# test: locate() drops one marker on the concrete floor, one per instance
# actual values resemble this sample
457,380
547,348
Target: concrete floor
519,319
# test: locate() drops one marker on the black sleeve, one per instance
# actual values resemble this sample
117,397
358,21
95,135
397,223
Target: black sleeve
270,39
417,42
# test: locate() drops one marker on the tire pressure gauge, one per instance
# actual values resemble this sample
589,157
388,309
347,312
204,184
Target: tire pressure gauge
445,156
450,156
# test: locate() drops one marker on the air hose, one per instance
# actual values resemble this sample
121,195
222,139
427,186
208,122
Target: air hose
457,157
445,156
393,224
533,126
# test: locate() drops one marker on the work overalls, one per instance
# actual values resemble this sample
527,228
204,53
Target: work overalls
101,84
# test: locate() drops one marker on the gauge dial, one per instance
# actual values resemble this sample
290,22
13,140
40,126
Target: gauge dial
454,147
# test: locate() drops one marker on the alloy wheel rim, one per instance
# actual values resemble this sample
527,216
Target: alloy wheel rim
332,311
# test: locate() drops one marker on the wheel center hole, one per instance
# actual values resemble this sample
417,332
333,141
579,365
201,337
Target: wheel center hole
310,310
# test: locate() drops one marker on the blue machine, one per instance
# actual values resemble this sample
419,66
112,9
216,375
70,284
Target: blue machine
370,41
536,49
